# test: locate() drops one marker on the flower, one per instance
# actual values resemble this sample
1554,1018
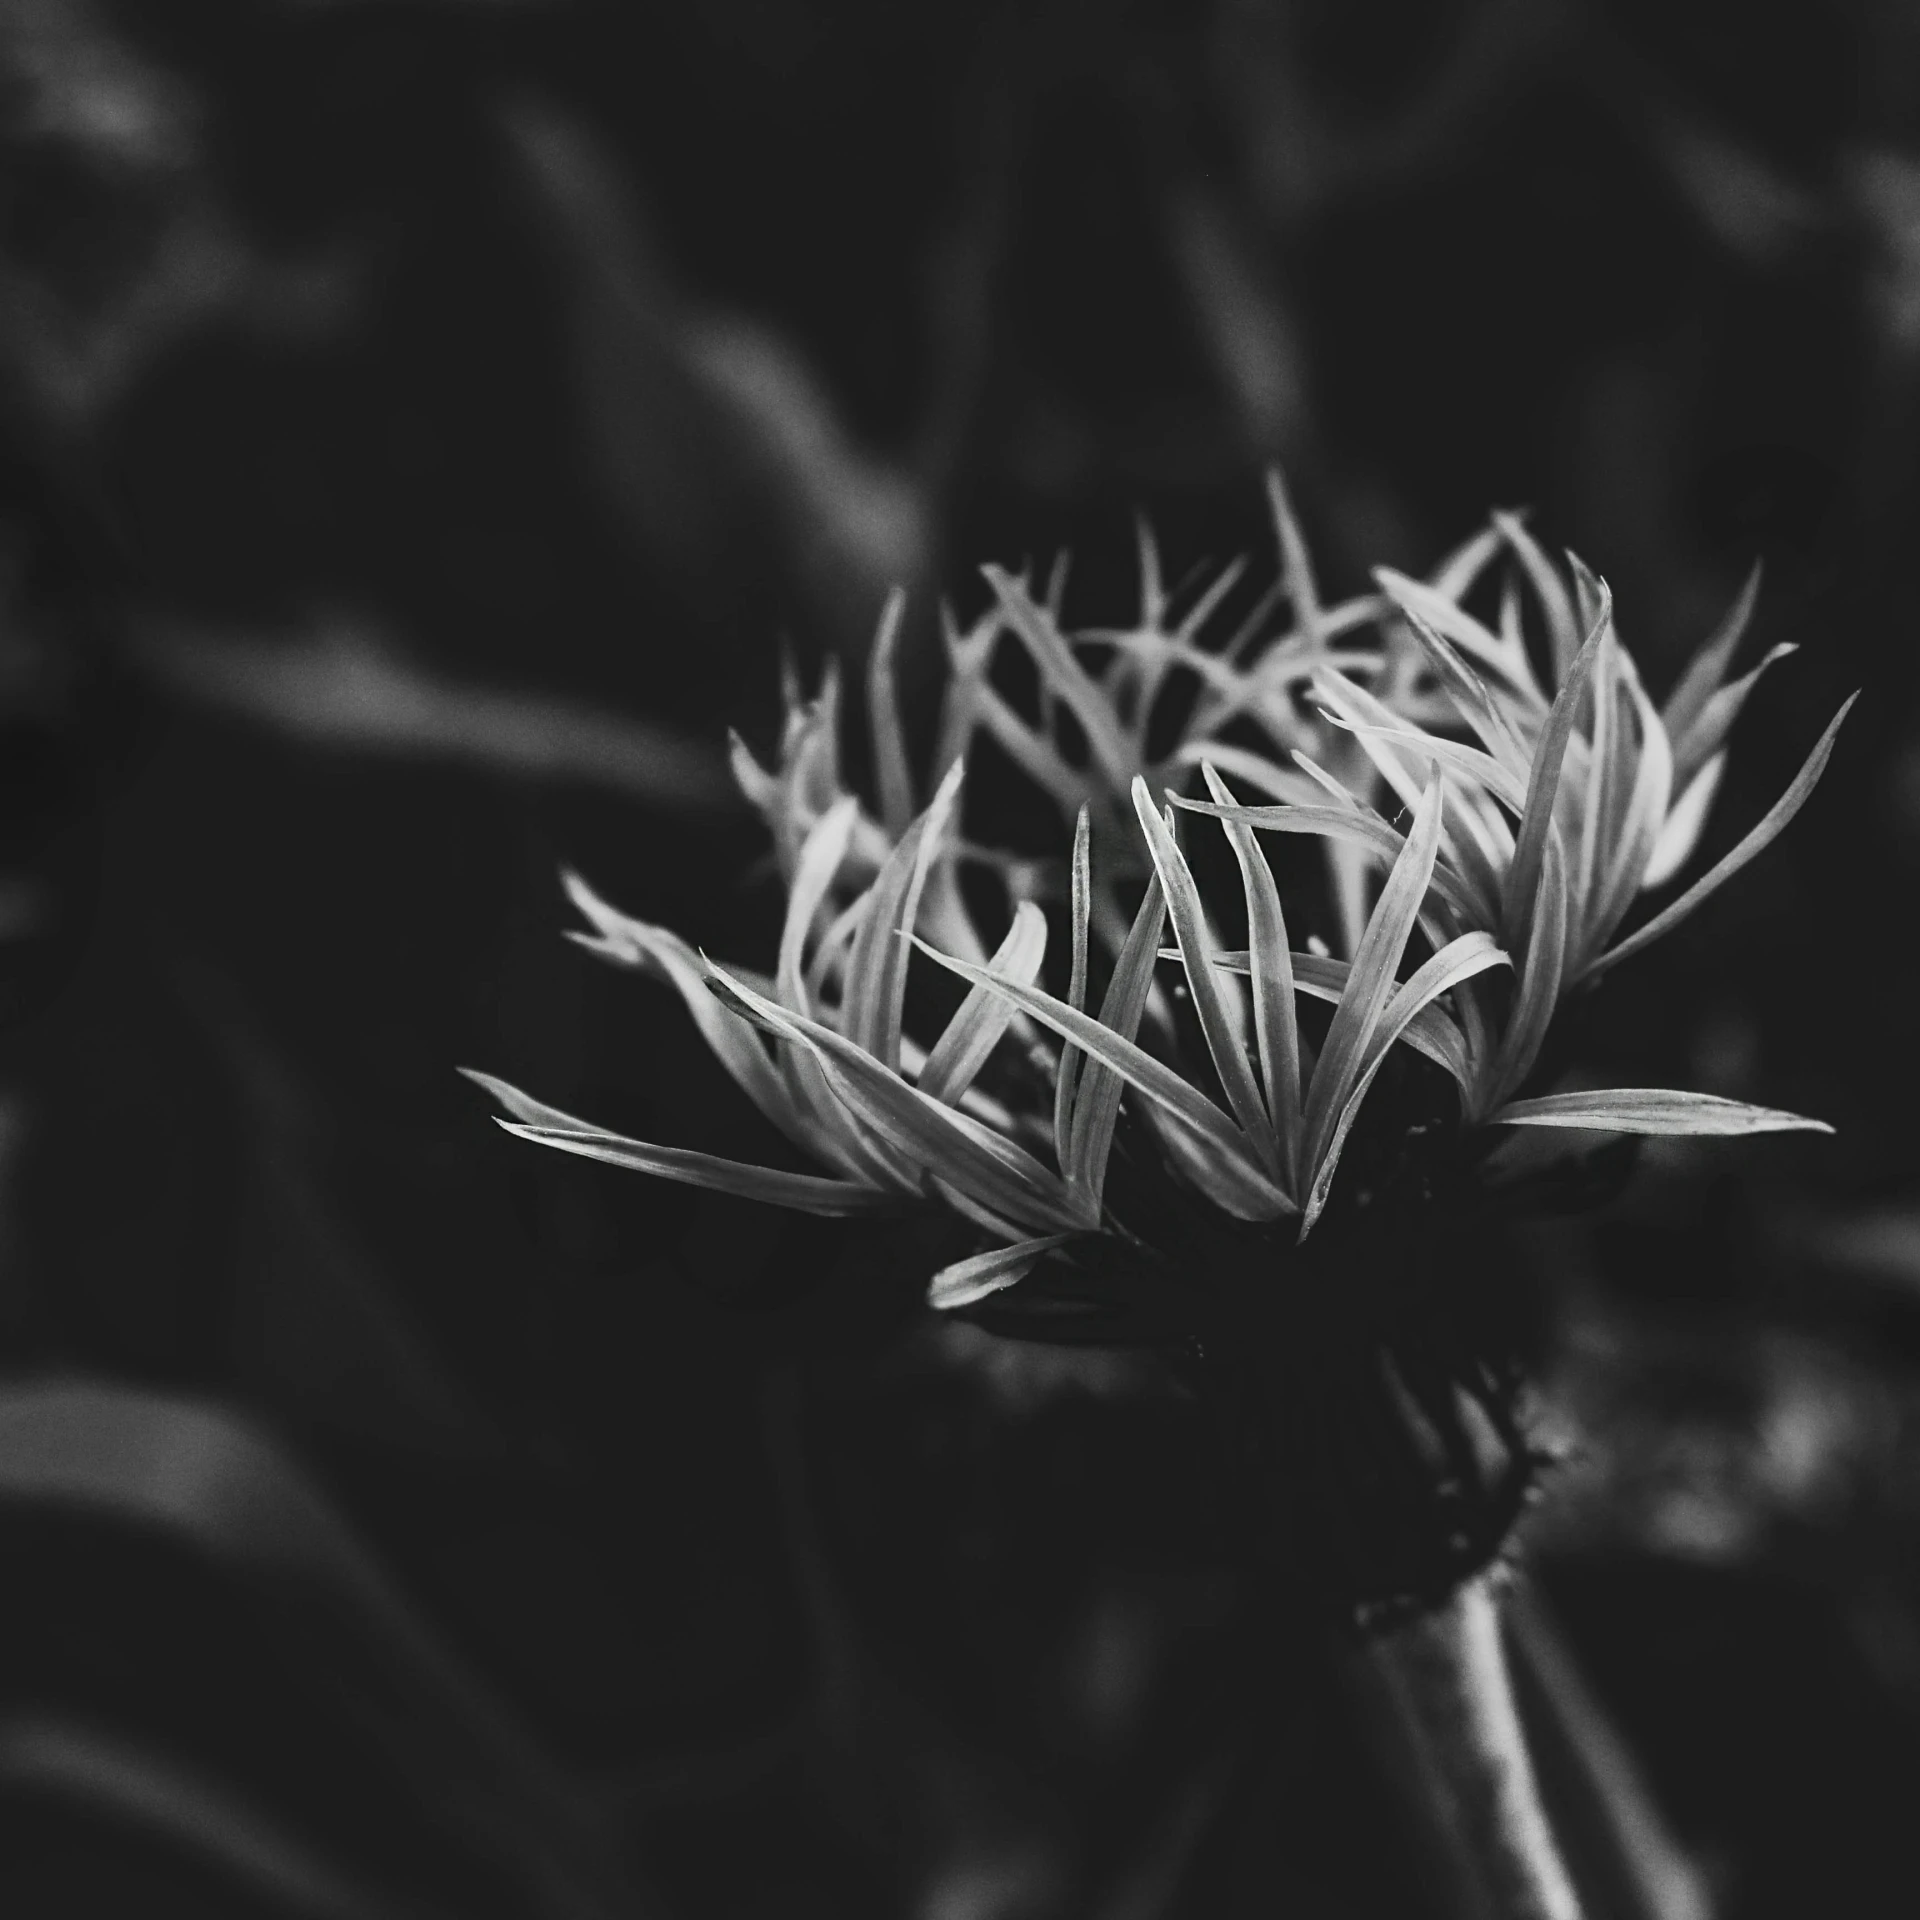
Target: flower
1533,824
1523,856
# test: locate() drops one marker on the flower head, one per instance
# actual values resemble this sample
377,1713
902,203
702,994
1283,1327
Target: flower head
1533,820
1528,842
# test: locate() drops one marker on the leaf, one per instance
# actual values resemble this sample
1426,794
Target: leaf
149,1789
876,988
1652,1110
1197,948
1067,1074
215,1486
1275,1022
975,1030
1776,821
349,689
892,775
1458,961
968,1281
1543,783
1708,667
1371,979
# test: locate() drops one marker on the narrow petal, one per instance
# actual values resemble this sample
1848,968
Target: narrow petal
1153,592
1541,973
1197,948
870,1009
1639,834
893,776
1202,610
1458,961
550,1127
1589,842
1707,733
929,1135
1470,697
1067,1077
1034,755
1096,1107
819,861
1511,672
1062,675
1652,1110
1358,827
733,1041
1432,1031
1372,977
827,970
1456,574
1376,727
1778,817
967,1282
1708,667
1686,821
973,1032
761,788
1530,844
1296,568
1234,1185
1276,1026
803,1192
1269,776
1137,1068
1563,628
969,1207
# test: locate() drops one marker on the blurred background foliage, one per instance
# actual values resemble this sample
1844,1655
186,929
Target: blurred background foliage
424,426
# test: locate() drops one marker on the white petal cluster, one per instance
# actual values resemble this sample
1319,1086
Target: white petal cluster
1542,791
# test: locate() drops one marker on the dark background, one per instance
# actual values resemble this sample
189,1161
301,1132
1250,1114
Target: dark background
423,427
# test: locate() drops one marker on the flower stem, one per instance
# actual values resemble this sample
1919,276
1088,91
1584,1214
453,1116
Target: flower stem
1445,1679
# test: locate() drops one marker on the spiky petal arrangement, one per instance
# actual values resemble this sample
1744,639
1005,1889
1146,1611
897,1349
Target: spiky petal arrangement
1535,822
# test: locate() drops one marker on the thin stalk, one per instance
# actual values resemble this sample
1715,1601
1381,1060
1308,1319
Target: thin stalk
1444,1679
